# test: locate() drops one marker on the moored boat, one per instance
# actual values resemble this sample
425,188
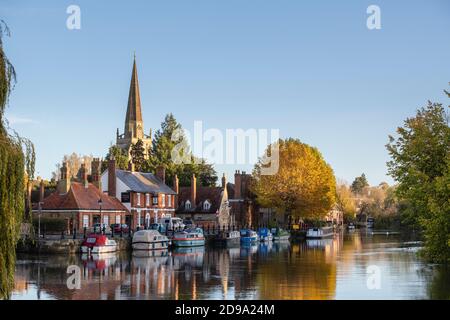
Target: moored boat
280,234
228,237
149,240
264,235
248,236
189,238
97,244
319,233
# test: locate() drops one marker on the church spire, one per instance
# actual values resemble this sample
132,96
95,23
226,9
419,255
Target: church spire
133,122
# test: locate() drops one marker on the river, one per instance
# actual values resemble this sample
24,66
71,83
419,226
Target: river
355,265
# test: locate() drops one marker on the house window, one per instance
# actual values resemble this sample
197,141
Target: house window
125,197
169,200
163,200
118,219
187,205
85,221
206,205
138,201
106,220
147,199
155,200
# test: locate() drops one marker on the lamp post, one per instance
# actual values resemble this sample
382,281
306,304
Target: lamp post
39,220
100,202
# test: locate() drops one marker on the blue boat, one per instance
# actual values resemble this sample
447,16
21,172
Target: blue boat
248,236
189,238
264,235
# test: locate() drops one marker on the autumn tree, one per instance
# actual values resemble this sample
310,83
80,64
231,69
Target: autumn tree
345,201
303,187
420,163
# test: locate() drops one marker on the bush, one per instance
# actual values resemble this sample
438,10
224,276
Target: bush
56,225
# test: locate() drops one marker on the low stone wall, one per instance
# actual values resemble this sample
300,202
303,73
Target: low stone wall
62,246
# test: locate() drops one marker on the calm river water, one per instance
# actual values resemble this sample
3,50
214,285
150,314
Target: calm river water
317,269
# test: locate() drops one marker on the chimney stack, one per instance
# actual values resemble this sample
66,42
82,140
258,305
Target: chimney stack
41,191
237,185
224,181
194,190
176,184
64,182
96,168
131,166
161,173
112,177
83,175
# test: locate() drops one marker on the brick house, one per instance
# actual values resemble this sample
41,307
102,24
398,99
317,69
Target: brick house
204,205
145,195
78,202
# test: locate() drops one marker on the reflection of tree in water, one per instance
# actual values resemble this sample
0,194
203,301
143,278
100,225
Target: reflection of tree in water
439,288
298,273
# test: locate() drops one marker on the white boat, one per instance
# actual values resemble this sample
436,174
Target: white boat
319,233
149,240
280,234
97,244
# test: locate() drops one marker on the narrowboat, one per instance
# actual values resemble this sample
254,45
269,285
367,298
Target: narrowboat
189,238
227,237
264,235
319,233
280,234
98,243
248,236
149,240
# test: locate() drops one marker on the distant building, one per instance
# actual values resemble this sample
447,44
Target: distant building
80,203
145,195
134,125
204,205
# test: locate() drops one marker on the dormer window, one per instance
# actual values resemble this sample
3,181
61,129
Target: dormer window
187,205
206,205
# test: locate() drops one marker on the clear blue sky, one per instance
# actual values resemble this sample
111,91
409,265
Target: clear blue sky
312,69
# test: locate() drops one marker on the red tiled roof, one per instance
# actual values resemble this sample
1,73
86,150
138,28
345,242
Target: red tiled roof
81,198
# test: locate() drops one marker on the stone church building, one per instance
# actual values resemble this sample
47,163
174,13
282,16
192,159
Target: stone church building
134,125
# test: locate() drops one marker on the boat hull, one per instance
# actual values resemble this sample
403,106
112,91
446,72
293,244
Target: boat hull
99,249
322,236
188,242
281,238
148,246
249,239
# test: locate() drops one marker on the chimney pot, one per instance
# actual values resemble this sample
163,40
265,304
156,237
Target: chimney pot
112,178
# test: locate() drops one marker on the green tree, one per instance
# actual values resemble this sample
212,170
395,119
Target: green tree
17,160
119,155
165,140
359,184
137,154
304,185
421,164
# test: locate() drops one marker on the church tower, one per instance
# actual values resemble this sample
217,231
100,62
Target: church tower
134,125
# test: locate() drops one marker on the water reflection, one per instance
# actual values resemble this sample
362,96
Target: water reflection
314,269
